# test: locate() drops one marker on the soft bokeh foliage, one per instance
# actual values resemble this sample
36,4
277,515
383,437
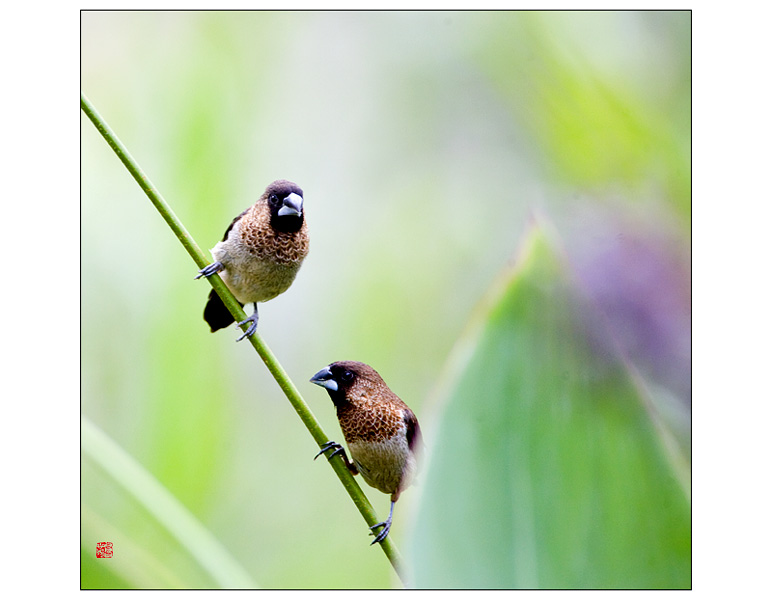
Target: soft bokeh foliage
423,142
571,477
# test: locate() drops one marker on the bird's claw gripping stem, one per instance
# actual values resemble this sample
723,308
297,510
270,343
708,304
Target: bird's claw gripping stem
380,536
210,270
252,320
338,450
329,445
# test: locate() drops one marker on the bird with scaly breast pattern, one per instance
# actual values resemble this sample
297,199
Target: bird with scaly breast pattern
381,431
260,254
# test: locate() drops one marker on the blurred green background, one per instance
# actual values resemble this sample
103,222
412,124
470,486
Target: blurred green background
430,147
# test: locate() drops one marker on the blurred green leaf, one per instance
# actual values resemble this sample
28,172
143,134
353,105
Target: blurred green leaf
551,467
139,560
596,125
212,558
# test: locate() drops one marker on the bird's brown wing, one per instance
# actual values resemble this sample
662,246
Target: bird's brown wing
227,231
413,433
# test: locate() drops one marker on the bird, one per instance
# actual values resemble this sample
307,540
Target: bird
381,431
260,254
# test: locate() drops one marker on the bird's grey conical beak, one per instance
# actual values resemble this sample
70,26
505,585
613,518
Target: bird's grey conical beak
292,205
324,378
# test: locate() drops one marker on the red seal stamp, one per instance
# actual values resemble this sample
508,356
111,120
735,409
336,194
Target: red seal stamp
104,550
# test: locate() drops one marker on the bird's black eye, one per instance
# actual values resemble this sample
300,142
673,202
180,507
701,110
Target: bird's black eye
347,376
273,199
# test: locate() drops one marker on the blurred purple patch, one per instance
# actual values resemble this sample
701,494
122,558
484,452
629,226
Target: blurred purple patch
638,276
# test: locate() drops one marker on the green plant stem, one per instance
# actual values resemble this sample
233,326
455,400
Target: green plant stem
273,365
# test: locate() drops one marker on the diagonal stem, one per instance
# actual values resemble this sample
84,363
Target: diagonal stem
273,365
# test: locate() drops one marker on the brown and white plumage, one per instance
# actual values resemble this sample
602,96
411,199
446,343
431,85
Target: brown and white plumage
382,433
260,253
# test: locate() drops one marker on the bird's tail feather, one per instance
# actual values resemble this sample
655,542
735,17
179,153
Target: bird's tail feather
216,313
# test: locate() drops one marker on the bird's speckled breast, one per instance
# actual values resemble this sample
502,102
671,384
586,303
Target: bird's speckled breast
378,444
259,263
266,243
368,420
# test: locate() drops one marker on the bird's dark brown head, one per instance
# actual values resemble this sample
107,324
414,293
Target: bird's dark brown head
285,202
348,379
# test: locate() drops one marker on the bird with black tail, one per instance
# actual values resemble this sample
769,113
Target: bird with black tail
260,254
381,432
